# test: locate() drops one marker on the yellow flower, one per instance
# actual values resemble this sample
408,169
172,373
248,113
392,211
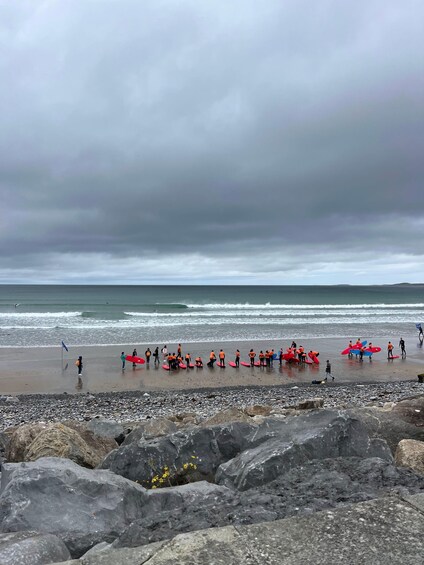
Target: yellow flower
185,466
154,486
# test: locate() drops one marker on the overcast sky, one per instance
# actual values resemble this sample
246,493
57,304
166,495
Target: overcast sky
187,141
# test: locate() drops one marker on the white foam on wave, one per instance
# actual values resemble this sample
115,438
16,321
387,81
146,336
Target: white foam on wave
269,306
23,315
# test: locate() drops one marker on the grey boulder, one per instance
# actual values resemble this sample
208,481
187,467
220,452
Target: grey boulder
31,548
81,506
207,448
317,435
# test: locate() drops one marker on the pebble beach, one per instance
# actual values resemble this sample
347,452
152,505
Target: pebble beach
127,406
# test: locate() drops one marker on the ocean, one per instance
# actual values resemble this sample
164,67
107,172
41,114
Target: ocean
37,316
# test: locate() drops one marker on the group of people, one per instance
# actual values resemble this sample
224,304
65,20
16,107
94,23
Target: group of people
176,360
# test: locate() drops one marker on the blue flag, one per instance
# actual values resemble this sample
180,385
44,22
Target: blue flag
64,346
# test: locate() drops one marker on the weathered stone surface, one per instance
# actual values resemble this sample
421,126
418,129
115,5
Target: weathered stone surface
149,429
410,453
375,533
20,439
142,460
389,426
73,440
81,506
316,485
316,435
31,548
258,410
108,429
225,416
311,404
57,440
411,410
388,530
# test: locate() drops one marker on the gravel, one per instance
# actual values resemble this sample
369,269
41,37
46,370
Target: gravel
135,405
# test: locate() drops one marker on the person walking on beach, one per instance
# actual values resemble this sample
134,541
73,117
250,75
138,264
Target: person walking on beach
237,359
134,354
147,355
156,355
402,347
390,350
78,363
328,370
123,360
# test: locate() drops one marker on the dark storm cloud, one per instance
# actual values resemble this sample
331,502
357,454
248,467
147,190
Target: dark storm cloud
259,138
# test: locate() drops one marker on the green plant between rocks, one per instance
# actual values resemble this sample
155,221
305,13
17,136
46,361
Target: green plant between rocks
171,477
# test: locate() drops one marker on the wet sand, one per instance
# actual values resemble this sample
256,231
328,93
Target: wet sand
40,371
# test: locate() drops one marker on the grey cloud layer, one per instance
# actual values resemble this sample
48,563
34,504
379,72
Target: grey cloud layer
153,129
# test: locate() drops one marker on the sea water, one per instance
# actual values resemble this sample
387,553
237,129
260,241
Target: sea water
32,315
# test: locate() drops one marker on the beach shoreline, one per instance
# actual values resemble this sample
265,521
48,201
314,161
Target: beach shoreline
40,370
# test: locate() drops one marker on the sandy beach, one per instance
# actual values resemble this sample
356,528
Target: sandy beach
40,370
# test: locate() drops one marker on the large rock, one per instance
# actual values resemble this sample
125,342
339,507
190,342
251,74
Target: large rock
316,435
20,439
311,404
72,440
315,486
207,448
375,533
31,548
108,429
57,440
392,426
85,507
81,506
149,429
410,453
411,410
228,415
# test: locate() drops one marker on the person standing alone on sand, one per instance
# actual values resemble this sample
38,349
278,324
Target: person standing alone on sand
328,370
390,350
402,347
78,363
123,360
237,359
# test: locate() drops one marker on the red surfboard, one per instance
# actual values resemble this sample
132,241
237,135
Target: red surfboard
373,349
394,357
355,346
314,358
220,365
232,364
182,366
244,364
165,367
138,360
